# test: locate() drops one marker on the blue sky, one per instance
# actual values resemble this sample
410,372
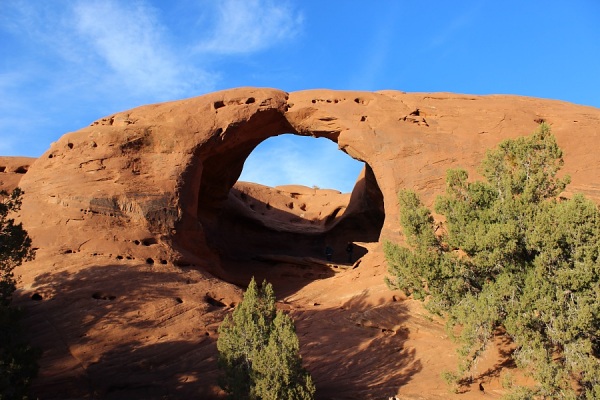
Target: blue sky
65,63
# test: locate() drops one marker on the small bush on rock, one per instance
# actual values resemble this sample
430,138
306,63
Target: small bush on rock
259,351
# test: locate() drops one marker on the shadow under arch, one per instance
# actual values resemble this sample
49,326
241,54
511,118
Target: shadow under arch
243,222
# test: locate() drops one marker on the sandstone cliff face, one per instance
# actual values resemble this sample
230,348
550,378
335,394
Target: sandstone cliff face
140,225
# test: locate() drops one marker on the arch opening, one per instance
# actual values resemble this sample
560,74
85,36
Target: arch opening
285,231
314,162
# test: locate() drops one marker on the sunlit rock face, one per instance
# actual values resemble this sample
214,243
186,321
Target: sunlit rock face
138,217
165,171
12,169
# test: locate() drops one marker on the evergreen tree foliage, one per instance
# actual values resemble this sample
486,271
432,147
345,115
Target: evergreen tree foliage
15,244
259,351
18,361
511,256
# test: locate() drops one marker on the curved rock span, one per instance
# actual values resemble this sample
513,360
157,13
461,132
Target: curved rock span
141,227
163,173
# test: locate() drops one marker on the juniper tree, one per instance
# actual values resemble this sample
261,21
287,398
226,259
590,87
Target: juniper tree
17,359
513,256
15,244
259,351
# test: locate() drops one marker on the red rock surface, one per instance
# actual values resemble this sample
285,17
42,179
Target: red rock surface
12,170
143,233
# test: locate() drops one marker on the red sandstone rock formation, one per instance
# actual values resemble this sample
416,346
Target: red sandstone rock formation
141,230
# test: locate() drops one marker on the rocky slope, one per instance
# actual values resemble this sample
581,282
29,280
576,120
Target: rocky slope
143,234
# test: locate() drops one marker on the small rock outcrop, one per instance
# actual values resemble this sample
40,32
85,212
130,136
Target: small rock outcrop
12,169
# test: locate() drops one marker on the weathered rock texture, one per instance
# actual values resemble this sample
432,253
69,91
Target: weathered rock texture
12,170
139,225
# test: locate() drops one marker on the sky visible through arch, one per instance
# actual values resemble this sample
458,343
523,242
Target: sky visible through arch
66,63
301,160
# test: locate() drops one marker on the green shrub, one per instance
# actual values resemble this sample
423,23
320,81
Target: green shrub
513,255
18,361
259,351
15,244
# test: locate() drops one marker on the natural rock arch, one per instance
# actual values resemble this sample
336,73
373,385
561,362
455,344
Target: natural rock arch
221,166
115,208
292,220
160,171
163,172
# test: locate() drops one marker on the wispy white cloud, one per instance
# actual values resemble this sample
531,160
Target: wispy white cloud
130,39
128,45
246,26
111,48
67,62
